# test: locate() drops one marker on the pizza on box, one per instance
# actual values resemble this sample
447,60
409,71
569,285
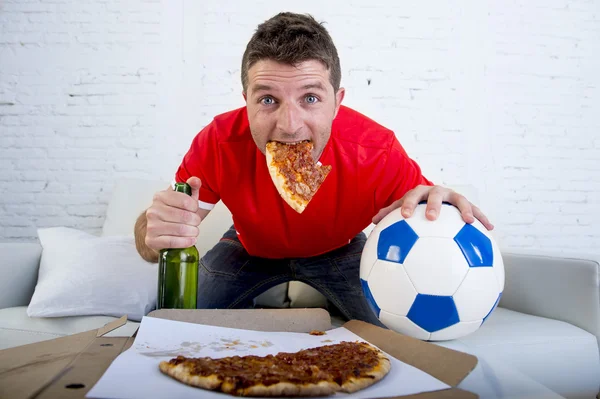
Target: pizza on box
295,174
324,370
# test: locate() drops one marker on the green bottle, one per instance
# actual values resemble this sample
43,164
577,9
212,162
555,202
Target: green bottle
178,273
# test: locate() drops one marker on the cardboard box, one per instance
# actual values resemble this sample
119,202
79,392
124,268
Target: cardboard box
68,367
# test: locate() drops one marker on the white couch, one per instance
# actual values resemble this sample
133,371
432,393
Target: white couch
547,325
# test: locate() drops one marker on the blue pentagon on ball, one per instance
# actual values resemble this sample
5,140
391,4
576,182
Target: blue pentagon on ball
433,313
475,246
395,242
370,299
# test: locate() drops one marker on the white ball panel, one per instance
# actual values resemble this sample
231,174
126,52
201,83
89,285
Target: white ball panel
403,325
455,331
391,287
498,266
448,223
369,254
477,294
436,266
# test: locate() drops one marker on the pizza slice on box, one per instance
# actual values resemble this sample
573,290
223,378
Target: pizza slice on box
295,174
343,367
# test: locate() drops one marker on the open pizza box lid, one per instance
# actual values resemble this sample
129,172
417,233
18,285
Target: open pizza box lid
68,367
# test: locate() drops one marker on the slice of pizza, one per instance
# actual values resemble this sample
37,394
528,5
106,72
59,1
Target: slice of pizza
320,371
294,172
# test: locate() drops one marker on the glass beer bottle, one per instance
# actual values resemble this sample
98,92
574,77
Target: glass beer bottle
178,273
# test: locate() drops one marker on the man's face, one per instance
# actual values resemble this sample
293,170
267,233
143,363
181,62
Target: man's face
291,103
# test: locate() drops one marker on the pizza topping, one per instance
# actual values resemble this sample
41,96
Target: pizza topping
338,363
317,332
294,162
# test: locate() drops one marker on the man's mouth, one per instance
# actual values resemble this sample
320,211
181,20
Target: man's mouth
292,142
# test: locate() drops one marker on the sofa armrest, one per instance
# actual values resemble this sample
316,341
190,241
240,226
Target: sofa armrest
19,265
555,286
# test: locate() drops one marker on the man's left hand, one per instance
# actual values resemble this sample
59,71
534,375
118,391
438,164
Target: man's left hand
435,195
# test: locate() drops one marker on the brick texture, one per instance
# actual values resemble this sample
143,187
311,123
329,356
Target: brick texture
500,96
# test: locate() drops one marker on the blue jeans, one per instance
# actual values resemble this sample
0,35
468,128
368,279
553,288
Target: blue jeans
230,278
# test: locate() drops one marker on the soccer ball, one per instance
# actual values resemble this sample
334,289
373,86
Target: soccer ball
432,280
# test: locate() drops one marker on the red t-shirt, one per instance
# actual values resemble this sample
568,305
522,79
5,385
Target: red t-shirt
370,170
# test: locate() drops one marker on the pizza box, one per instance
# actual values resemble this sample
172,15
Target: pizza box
68,367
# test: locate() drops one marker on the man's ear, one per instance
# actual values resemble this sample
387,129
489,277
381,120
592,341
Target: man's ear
244,95
339,96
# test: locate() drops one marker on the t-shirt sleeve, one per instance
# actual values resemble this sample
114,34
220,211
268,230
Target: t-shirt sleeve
202,161
401,174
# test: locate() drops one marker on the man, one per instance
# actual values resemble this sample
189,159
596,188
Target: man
291,85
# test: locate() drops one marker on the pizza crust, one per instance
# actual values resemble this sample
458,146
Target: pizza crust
180,373
356,384
323,388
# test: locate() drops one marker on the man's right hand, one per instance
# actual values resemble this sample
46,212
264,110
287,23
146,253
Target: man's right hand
173,218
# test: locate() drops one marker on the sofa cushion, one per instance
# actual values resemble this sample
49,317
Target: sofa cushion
559,355
81,274
16,328
19,265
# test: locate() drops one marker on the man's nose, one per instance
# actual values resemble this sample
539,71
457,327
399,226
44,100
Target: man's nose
289,120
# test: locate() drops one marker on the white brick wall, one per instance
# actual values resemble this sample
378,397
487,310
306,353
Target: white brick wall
499,95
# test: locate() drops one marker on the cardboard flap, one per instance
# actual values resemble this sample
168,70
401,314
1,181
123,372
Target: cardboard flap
85,371
445,364
285,320
113,325
26,370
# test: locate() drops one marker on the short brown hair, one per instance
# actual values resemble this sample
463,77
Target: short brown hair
292,38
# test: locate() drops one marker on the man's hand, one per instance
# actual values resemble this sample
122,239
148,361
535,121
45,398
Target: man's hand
435,196
173,218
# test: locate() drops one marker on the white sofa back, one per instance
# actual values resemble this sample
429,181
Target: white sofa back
130,197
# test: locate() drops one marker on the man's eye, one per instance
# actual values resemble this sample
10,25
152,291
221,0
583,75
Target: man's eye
311,99
267,101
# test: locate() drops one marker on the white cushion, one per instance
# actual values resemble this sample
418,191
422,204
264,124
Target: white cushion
559,355
81,274
16,328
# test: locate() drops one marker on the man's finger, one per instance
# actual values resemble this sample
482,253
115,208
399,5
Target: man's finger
171,214
412,199
159,228
463,205
176,199
195,183
482,218
385,211
434,203
170,242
